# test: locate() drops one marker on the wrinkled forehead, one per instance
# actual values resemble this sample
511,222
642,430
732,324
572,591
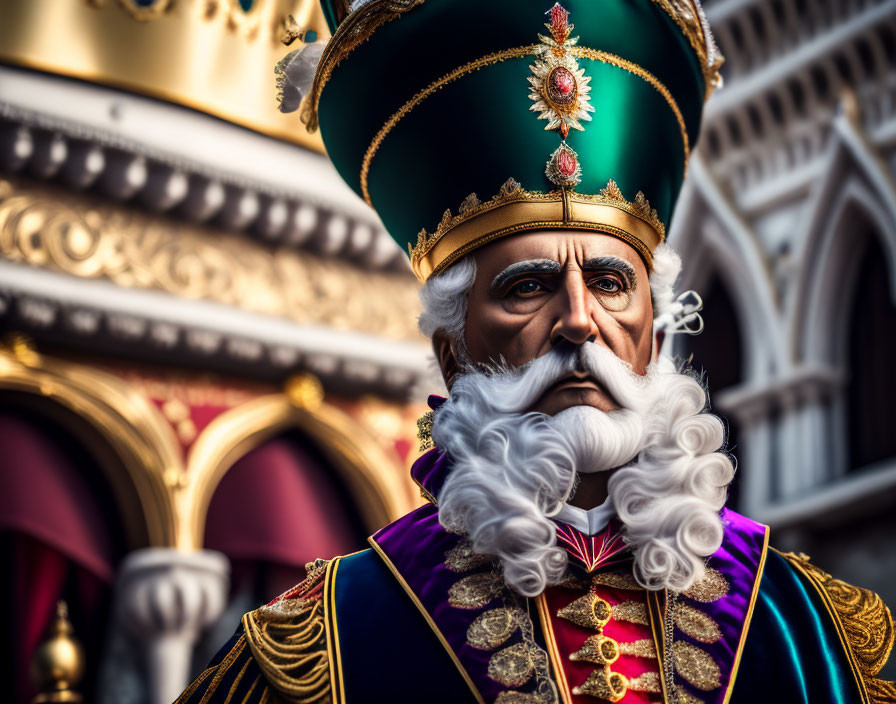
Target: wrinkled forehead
568,249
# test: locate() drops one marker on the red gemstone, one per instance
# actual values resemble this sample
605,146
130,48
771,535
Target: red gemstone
564,129
561,86
566,163
559,23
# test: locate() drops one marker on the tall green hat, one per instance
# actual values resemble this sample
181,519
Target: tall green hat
463,121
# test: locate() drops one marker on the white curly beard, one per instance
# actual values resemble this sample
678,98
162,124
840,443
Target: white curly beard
513,470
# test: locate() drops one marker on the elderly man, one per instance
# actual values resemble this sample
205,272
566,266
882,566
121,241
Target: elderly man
575,546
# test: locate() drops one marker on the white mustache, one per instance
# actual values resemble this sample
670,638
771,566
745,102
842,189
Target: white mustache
516,389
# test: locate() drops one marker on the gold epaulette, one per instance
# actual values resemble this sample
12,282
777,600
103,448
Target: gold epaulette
864,622
288,640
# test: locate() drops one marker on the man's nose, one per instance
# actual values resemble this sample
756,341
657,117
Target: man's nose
575,316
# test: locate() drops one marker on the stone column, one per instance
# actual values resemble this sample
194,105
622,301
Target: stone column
165,599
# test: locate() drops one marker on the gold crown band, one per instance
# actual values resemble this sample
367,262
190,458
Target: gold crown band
556,211
497,57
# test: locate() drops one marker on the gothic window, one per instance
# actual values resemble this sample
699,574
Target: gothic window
872,381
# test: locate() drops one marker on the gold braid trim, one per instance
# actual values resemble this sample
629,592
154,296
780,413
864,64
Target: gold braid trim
288,640
867,624
356,29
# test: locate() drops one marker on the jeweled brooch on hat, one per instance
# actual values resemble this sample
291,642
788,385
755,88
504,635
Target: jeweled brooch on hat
559,86
559,90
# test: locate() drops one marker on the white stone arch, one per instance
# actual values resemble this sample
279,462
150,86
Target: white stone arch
856,182
856,190
710,236
833,255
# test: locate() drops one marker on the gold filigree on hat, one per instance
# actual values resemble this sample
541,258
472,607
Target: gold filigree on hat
560,91
558,85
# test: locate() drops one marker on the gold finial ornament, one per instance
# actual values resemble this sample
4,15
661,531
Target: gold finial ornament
58,663
305,391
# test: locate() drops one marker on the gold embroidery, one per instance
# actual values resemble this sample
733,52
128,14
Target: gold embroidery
685,697
461,557
881,691
512,666
492,628
424,432
644,648
646,682
866,620
640,207
711,588
685,16
498,57
356,29
474,591
696,666
696,624
631,611
617,580
570,581
288,640
604,684
589,611
598,649
510,192
517,698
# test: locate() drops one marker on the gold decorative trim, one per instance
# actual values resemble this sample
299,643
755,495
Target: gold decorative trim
424,431
83,236
374,478
864,626
288,640
435,629
116,43
547,629
656,616
711,587
512,666
514,209
696,624
696,666
684,13
147,458
354,31
504,55
334,653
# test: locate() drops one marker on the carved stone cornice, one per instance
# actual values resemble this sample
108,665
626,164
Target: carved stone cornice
163,158
74,234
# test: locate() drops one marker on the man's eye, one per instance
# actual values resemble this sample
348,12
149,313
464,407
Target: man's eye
607,284
527,288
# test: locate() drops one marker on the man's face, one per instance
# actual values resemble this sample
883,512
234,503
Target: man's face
535,290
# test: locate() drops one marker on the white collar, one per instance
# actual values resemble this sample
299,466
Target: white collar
589,522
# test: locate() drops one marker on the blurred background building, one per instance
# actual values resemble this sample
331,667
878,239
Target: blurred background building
210,372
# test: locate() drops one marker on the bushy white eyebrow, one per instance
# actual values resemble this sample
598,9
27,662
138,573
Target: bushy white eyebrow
550,266
529,266
612,263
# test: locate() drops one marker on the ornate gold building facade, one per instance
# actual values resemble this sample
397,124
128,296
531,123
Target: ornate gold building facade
209,343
